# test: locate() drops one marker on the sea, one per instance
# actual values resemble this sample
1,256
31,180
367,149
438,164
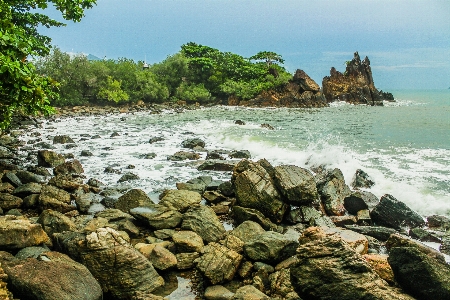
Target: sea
404,145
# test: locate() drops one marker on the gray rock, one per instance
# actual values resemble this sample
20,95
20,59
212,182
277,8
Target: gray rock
242,214
157,216
203,221
362,180
198,184
240,154
68,182
52,276
393,213
420,275
218,263
333,191
86,153
49,159
63,139
247,231
296,184
11,178
33,252
192,143
360,200
218,292
131,199
303,214
249,292
255,189
378,232
184,155
71,167
270,247
27,189
217,165
128,177
439,222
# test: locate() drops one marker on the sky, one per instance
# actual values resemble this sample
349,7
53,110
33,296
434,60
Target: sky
407,41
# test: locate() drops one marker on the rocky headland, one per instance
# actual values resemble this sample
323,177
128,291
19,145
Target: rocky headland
297,233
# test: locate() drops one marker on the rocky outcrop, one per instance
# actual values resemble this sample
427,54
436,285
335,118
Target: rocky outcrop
300,91
355,85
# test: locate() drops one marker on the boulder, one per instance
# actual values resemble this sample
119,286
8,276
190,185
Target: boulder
255,189
357,241
380,233
217,165
160,257
216,154
184,155
203,221
281,286
27,189
187,241
63,139
53,221
419,274
198,184
247,231
439,222
445,244
393,213
380,265
56,199
327,266
121,270
296,184
27,177
242,214
303,214
70,167
49,159
333,191
11,178
248,292
132,199
52,276
186,260
128,177
218,263
218,292
19,232
361,180
180,200
270,247
6,187
360,200
192,143
214,197
157,216
400,241
240,154
8,201
66,182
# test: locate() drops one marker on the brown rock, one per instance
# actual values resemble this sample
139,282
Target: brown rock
380,265
19,232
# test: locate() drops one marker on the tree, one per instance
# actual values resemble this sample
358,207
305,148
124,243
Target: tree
21,87
268,57
112,91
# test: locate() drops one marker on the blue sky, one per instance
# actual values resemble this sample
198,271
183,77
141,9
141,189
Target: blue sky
408,42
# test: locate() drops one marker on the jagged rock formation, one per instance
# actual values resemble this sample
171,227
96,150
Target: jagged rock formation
301,91
355,85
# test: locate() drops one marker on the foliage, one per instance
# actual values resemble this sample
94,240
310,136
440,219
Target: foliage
171,72
111,91
149,89
268,57
193,92
21,87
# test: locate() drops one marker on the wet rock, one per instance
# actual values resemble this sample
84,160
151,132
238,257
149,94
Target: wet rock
393,213
186,260
95,183
203,221
111,170
270,247
68,182
361,180
249,292
296,184
56,199
218,292
380,265
31,201
52,276
49,159
155,139
198,184
120,269
400,241
255,189
157,216
86,153
303,214
242,214
5,153
160,257
150,155
19,232
218,263
239,122
360,200
215,154
128,177
333,191
363,217
131,199
280,285
11,178
63,139
180,200
8,201
439,222
326,264
267,126
27,177
187,241
217,165
240,154
53,222
184,155
71,167
114,134
424,235
445,245
85,201
192,143
378,232
41,171
419,274
226,188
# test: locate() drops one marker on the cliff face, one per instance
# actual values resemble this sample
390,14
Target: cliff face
355,85
301,91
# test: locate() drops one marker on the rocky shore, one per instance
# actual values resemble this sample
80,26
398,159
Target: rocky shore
296,234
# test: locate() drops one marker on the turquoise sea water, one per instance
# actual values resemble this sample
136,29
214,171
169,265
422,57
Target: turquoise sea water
404,145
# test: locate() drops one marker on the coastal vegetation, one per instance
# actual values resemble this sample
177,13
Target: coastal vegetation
197,73
22,88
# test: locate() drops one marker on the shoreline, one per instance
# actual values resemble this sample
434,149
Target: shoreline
244,215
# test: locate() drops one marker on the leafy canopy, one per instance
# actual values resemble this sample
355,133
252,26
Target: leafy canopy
21,87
